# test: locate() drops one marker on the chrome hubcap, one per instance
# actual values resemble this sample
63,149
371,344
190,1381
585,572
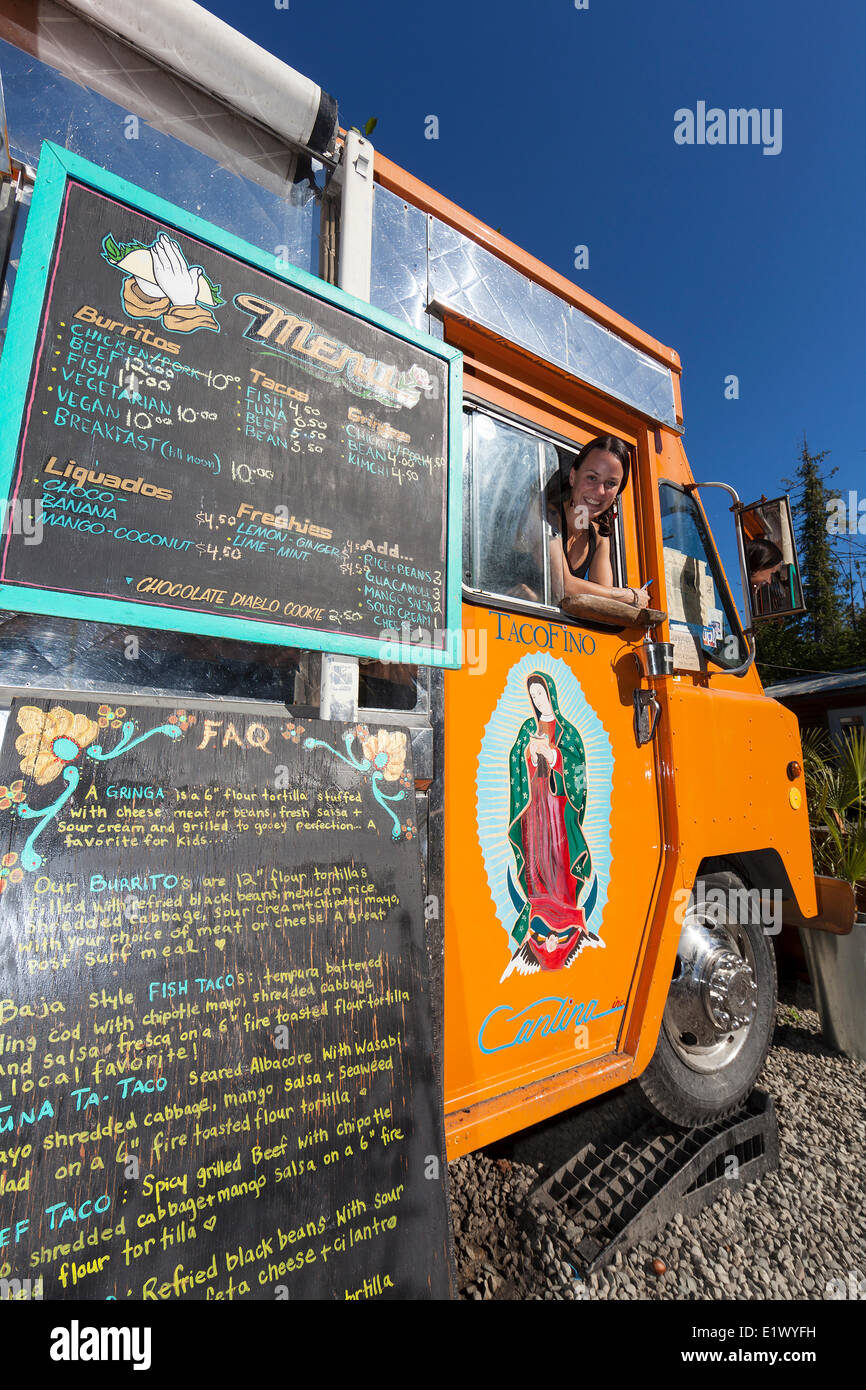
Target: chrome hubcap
713,996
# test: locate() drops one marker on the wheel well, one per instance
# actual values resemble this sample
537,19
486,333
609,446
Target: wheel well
758,868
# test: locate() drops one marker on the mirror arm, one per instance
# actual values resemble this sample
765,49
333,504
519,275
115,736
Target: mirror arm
748,632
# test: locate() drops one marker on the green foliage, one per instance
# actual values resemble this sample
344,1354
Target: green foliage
836,794
823,621
831,635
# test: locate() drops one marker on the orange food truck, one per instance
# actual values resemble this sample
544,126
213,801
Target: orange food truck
608,803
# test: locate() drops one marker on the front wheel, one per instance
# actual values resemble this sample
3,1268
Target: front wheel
719,1016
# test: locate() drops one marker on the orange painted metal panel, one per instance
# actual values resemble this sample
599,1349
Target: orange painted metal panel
515,1012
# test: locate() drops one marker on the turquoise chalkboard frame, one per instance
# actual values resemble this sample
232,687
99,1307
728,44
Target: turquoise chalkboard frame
56,167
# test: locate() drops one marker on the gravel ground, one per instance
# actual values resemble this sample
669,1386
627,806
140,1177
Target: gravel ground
783,1237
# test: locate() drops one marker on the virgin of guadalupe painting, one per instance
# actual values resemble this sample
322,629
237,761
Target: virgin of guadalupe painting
552,861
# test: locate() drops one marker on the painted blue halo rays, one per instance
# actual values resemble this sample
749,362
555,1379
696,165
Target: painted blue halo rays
494,789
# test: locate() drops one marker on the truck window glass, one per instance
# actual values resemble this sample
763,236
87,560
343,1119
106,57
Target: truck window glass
697,598
390,686
512,489
506,502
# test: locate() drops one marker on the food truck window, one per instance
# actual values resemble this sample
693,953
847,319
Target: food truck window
513,485
391,686
61,654
702,615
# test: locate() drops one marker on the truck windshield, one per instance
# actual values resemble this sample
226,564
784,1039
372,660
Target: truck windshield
704,624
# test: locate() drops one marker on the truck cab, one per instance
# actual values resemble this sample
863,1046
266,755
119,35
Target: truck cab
678,796
697,782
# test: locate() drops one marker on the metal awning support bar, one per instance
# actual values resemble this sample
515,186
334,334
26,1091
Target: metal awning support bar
354,183
355,179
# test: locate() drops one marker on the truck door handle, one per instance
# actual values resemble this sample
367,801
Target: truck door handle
645,722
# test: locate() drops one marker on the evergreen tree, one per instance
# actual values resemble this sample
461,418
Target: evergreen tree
824,620
826,638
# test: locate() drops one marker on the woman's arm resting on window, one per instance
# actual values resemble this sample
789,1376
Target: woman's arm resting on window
566,584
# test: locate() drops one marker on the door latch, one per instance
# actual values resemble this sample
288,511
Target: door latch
646,715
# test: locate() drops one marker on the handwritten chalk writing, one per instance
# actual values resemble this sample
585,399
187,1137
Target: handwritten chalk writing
373,1287
11,1156
78,475
133,793
76,1272
135,1086
98,884
21,1228
270,385
171,1099
11,1121
170,412
87,314
83,1212
289,523
9,1010
167,989
111,1128
220,1168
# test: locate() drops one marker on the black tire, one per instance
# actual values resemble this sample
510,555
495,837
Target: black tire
688,1097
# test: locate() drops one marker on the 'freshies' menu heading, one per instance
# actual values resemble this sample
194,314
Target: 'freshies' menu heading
203,439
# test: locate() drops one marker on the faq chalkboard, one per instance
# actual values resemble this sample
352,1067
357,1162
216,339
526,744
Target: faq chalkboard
215,1024
203,438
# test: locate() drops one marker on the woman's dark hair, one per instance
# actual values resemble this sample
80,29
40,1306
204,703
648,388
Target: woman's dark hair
610,444
762,554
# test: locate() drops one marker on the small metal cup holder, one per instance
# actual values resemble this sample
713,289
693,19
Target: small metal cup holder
655,659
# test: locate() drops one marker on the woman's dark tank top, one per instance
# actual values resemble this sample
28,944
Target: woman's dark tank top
582,571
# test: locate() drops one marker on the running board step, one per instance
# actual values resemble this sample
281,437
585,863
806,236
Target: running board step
618,1195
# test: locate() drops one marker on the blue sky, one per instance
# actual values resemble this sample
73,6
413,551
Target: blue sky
557,126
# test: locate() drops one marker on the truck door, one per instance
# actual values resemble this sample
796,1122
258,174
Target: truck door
524,1005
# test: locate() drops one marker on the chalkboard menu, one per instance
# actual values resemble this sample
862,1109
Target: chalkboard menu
215,1026
203,438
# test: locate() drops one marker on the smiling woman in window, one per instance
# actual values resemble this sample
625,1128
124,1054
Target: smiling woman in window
583,517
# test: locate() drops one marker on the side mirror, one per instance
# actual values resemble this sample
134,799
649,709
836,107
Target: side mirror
766,534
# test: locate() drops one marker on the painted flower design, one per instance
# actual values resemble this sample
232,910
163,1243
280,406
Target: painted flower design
109,718
291,730
407,779
14,792
10,871
361,732
408,830
181,719
387,752
51,741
